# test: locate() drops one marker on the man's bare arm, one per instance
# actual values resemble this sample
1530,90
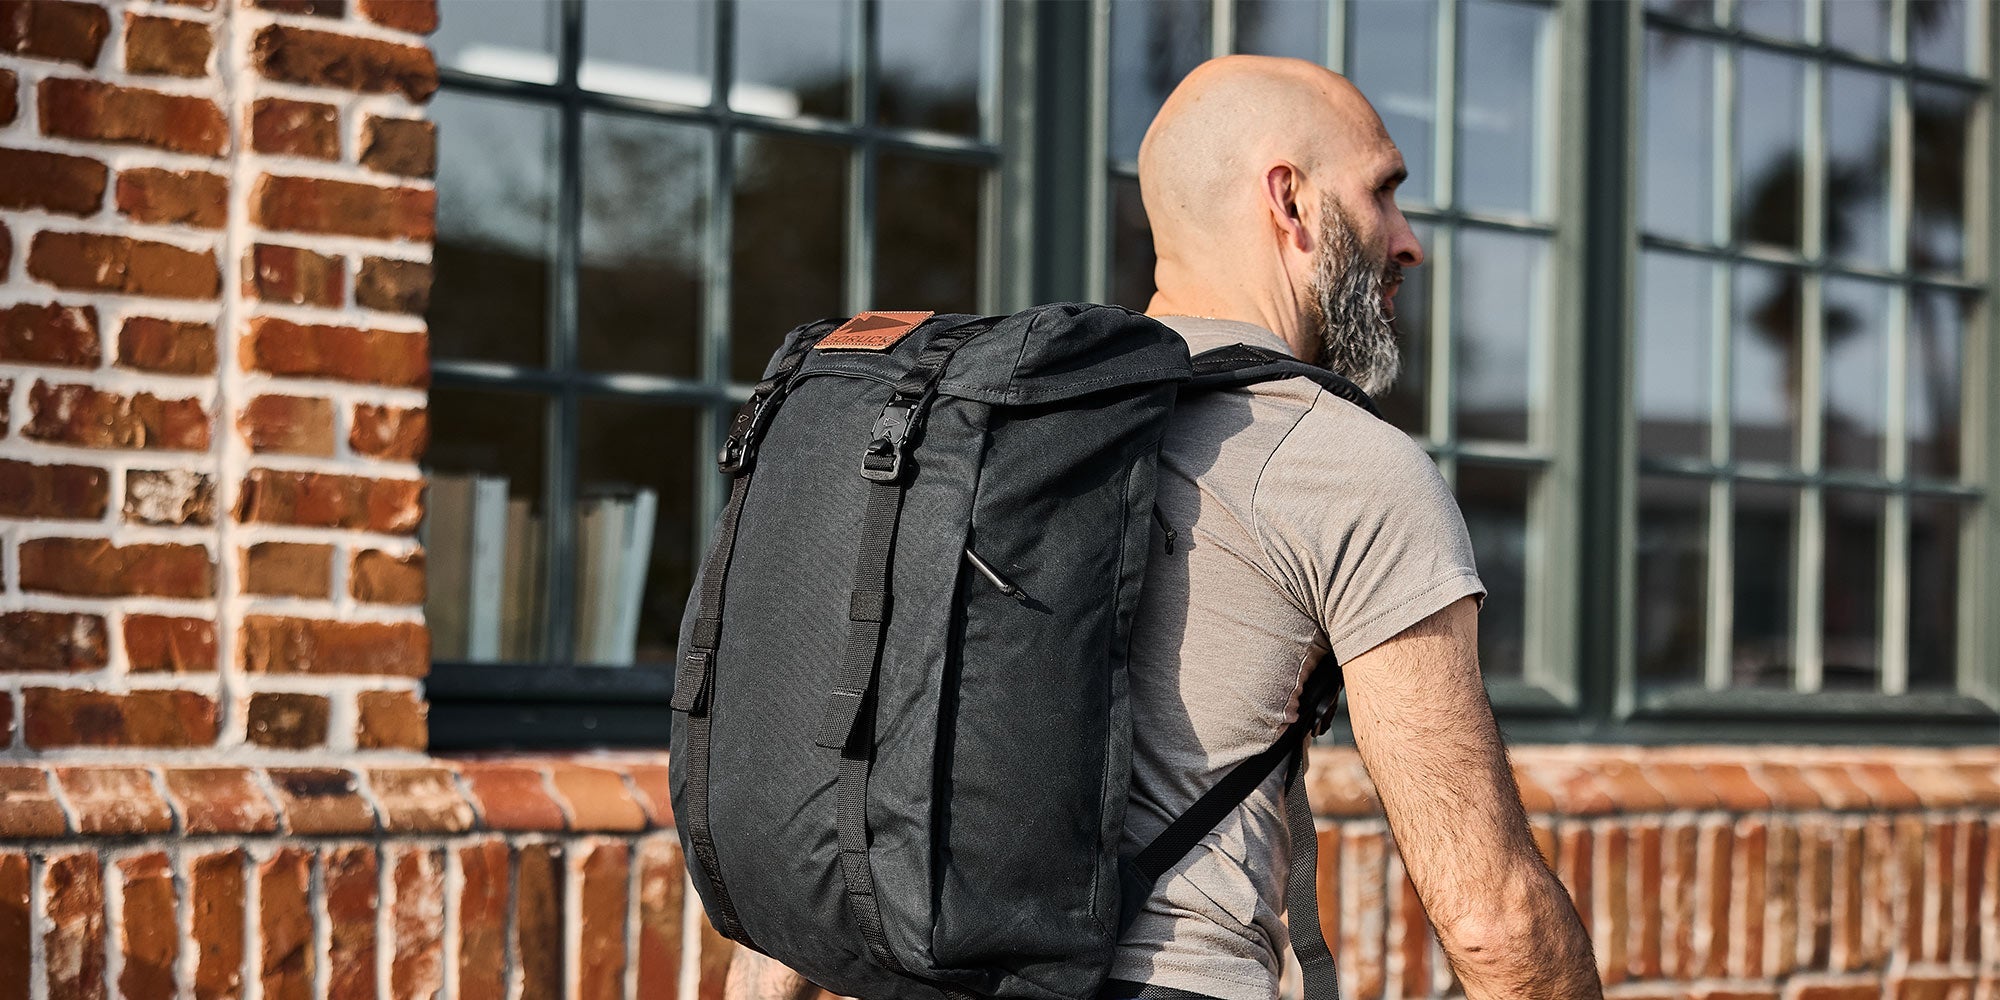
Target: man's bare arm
753,976
1426,734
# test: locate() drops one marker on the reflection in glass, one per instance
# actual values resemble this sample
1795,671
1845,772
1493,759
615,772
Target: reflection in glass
658,52
1859,26
1406,404
932,56
1674,351
1935,535
1670,614
1767,365
1857,169
1153,44
1500,106
789,254
1500,288
484,532
1941,119
1782,18
1856,373
927,235
1495,502
645,209
1765,532
1686,10
1939,321
635,529
1851,593
1392,57
513,39
791,57
1676,173
495,228
1295,28
1132,256
1941,33
1770,173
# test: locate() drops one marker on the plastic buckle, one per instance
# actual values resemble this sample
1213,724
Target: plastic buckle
739,449
882,462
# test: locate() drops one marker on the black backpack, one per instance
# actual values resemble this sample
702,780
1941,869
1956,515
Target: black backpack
902,742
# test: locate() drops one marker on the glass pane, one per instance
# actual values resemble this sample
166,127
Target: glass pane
1132,257
1676,164
1392,57
1767,365
1500,314
1495,501
792,57
789,255
1857,373
1857,170
1499,107
1406,403
1938,324
1766,530
1940,180
933,54
927,233
1675,352
1670,614
515,39
1941,33
1770,135
645,209
1783,18
1686,10
484,534
1935,539
496,228
1851,589
635,529
1859,26
1153,44
1295,28
659,52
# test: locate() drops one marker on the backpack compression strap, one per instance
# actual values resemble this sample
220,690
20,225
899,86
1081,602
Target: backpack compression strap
1240,365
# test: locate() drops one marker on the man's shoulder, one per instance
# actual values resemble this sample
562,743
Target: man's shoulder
1333,438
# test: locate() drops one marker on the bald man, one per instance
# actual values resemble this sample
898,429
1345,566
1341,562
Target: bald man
1318,530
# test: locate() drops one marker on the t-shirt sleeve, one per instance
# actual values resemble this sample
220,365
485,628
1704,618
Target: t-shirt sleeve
1360,528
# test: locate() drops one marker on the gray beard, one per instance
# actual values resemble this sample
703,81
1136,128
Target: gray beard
1357,338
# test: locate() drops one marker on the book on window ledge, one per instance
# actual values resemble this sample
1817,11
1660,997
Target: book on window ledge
614,549
464,539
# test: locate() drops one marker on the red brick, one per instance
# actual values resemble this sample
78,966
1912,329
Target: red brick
50,334
6,384
321,800
87,417
391,720
1613,934
147,937
661,873
1573,790
394,285
166,46
325,500
482,921
1414,942
1784,884
1680,854
295,128
1910,881
1338,786
285,924
1941,882
16,927
601,959
377,577
52,492
160,644
73,890
419,16
93,110
174,197
650,787
1886,791
216,893
717,953
511,797
1848,893
1364,906
1788,786
1750,863
352,899
1573,867
56,182
93,262
51,641
538,921
61,717
379,357
30,807
1716,850
308,8
404,146
93,567
114,800
1930,987
220,800
419,800
276,645
10,99
1646,848
1979,856
390,432
299,425
169,497
328,59
1869,989
597,799
288,569
416,970
286,720
295,276
1730,993
54,29
1878,930
174,348
1835,786
1816,899
344,208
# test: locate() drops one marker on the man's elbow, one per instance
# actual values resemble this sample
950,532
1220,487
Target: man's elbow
1527,941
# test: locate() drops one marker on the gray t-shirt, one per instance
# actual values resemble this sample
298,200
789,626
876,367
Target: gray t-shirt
1304,525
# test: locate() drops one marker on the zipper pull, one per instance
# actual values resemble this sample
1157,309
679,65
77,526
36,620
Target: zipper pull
993,577
1165,528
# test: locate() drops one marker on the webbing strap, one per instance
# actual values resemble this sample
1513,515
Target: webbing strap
1240,364
1302,894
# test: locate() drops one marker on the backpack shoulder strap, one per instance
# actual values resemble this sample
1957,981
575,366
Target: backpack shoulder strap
1239,365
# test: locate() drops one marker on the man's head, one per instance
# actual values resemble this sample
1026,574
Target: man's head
1271,188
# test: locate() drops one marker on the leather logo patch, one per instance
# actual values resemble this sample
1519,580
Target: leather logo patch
872,331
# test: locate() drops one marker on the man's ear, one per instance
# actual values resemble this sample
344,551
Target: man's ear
1282,183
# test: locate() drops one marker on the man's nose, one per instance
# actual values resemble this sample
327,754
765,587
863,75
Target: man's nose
1403,247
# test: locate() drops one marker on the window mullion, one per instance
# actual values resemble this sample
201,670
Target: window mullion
560,490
